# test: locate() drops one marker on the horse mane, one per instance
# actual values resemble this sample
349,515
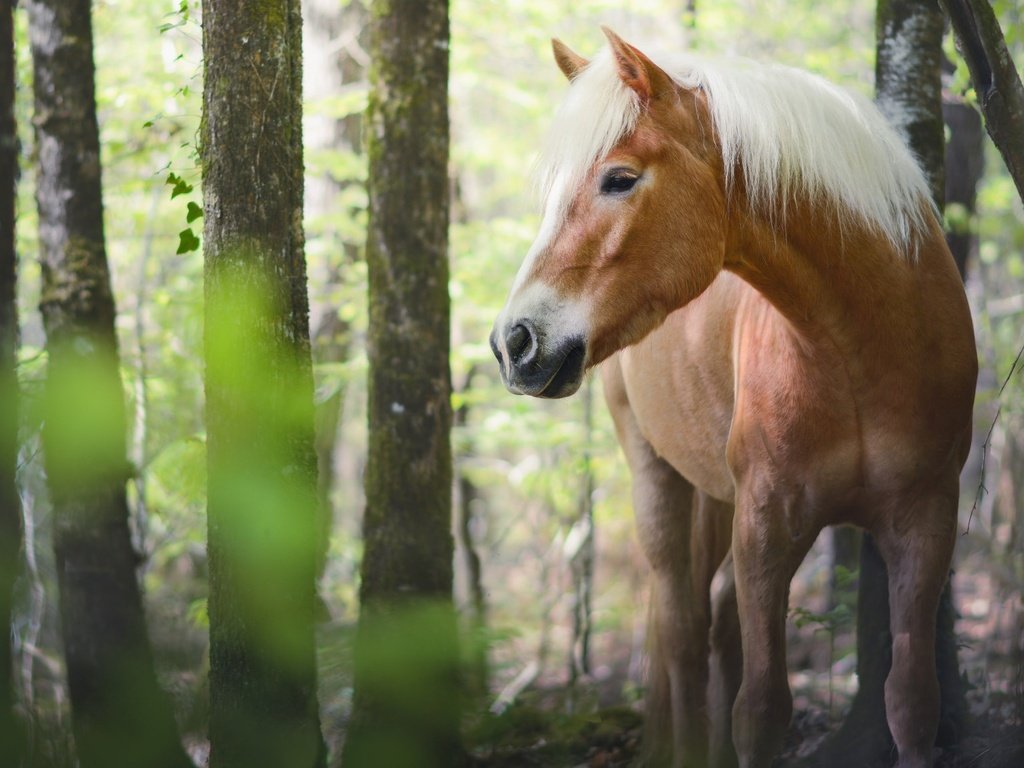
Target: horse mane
788,131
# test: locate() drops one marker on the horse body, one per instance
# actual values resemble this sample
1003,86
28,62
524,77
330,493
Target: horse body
775,362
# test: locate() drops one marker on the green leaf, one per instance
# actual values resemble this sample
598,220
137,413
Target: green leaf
187,241
180,186
194,212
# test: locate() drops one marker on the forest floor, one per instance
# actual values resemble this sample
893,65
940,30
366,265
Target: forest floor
551,726
538,732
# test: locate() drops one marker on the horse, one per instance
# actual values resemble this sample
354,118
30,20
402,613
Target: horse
752,256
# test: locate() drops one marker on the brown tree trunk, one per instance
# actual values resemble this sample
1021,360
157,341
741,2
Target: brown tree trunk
995,78
259,396
965,164
406,689
121,717
10,517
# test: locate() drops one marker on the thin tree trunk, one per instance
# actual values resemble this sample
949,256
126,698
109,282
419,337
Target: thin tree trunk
582,559
477,674
965,164
121,717
10,516
405,710
995,77
259,396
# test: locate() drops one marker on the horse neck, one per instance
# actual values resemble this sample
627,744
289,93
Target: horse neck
840,281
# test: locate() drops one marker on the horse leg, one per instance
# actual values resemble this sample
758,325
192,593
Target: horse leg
679,620
767,548
726,665
676,718
917,550
713,576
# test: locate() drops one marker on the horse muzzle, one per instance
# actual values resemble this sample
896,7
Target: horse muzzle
532,365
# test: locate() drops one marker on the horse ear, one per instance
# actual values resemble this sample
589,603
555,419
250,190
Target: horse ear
636,70
570,62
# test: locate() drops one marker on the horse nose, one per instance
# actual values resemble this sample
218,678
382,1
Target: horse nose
521,344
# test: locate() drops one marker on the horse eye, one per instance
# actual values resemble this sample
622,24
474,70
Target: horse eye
617,181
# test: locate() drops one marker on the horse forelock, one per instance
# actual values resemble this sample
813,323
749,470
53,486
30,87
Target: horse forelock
787,131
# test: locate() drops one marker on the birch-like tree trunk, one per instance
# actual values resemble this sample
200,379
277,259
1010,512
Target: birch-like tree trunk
406,692
121,717
259,395
10,516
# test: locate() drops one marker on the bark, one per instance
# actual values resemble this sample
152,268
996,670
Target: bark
121,717
996,81
10,514
909,92
477,672
262,499
406,688
582,559
965,165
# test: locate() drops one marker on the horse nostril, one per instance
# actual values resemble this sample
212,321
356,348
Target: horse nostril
518,342
494,345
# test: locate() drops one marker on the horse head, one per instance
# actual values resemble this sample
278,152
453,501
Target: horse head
634,220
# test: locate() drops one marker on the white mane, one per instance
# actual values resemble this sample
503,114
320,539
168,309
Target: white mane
788,130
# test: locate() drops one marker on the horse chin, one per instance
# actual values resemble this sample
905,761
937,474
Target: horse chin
557,375
568,376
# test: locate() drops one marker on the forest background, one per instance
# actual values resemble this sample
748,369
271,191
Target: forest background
530,476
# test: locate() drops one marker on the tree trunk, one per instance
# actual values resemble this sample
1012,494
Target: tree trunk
10,516
995,78
121,717
965,164
406,688
476,674
259,397
909,91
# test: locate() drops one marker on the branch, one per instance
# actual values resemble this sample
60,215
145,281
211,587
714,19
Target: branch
996,81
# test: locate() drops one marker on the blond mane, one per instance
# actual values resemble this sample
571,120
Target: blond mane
788,131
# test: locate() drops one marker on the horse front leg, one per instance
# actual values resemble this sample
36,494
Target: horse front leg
766,552
676,732
917,547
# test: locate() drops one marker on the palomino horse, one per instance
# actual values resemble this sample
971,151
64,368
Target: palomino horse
753,254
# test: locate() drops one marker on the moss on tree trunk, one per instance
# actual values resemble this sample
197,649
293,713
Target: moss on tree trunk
259,395
121,717
405,710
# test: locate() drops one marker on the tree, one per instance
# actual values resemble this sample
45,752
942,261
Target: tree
121,717
405,709
10,518
996,81
259,399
